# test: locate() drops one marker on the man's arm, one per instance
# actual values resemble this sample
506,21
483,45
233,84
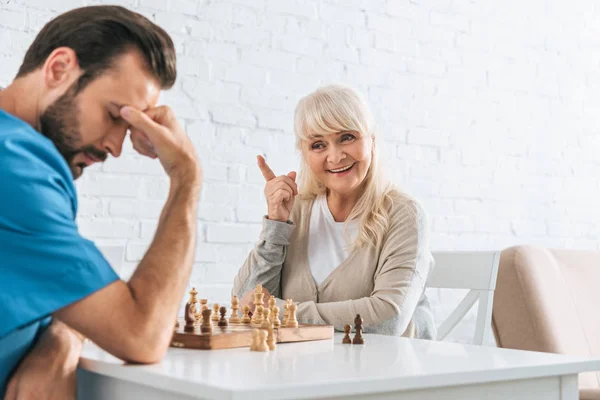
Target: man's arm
50,367
135,320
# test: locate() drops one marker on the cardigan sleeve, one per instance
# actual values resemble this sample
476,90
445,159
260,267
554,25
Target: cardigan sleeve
265,261
399,281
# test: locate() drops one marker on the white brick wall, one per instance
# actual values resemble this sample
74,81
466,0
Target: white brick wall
488,111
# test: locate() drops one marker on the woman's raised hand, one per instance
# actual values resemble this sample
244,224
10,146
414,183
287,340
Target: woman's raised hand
280,192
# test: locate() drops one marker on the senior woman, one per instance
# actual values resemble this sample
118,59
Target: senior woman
344,240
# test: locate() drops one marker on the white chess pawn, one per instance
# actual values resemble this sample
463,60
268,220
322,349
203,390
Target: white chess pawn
275,317
261,343
271,339
235,305
292,321
266,320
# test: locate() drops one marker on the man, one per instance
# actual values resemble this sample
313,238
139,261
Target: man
90,75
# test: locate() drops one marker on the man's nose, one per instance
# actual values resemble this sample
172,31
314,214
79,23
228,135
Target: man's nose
113,141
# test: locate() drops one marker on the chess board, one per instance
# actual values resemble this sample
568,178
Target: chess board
240,335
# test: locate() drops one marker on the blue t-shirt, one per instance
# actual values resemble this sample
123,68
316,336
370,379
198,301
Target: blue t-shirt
45,264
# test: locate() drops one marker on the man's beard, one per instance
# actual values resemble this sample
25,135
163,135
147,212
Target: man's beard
60,124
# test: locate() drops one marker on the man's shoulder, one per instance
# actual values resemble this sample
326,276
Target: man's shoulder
24,149
32,171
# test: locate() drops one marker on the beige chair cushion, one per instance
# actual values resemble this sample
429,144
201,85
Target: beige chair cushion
549,300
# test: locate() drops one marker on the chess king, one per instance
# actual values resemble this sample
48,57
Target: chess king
90,76
339,238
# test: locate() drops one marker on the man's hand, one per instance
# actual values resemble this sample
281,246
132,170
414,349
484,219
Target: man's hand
280,192
157,133
48,372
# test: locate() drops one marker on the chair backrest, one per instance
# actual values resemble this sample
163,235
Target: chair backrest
114,254
476,271
547,300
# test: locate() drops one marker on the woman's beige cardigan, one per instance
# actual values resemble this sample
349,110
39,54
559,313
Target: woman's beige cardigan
384,285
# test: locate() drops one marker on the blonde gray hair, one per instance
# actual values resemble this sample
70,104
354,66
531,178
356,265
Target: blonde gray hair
335,108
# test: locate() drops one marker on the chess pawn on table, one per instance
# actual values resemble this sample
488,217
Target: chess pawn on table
235,305
285,314
358,337
271,339
206,326
258,313
215,314
346,339
292,321
275,317
246,314
266,320
259,338
223,321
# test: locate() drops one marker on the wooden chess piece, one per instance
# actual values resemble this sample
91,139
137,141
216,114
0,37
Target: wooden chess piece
206,326
358,337
271,339
258,315
292,321
346,339
235,305
275,318
190,318
223,321
286,314
254,340
215,314
190,312
258,301
246,317
272,304
261,342
203,306
266,320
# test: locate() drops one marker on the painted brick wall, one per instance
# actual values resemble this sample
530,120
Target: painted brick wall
488,112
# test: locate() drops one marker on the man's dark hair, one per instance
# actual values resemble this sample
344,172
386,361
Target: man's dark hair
99,35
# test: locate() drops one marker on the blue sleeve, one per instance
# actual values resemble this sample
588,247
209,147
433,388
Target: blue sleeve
45,264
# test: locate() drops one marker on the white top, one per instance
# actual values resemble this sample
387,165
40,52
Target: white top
328,240
309,370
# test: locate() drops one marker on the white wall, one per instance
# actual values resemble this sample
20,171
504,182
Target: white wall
488,110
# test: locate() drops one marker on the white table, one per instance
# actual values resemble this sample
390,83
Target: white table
384,368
